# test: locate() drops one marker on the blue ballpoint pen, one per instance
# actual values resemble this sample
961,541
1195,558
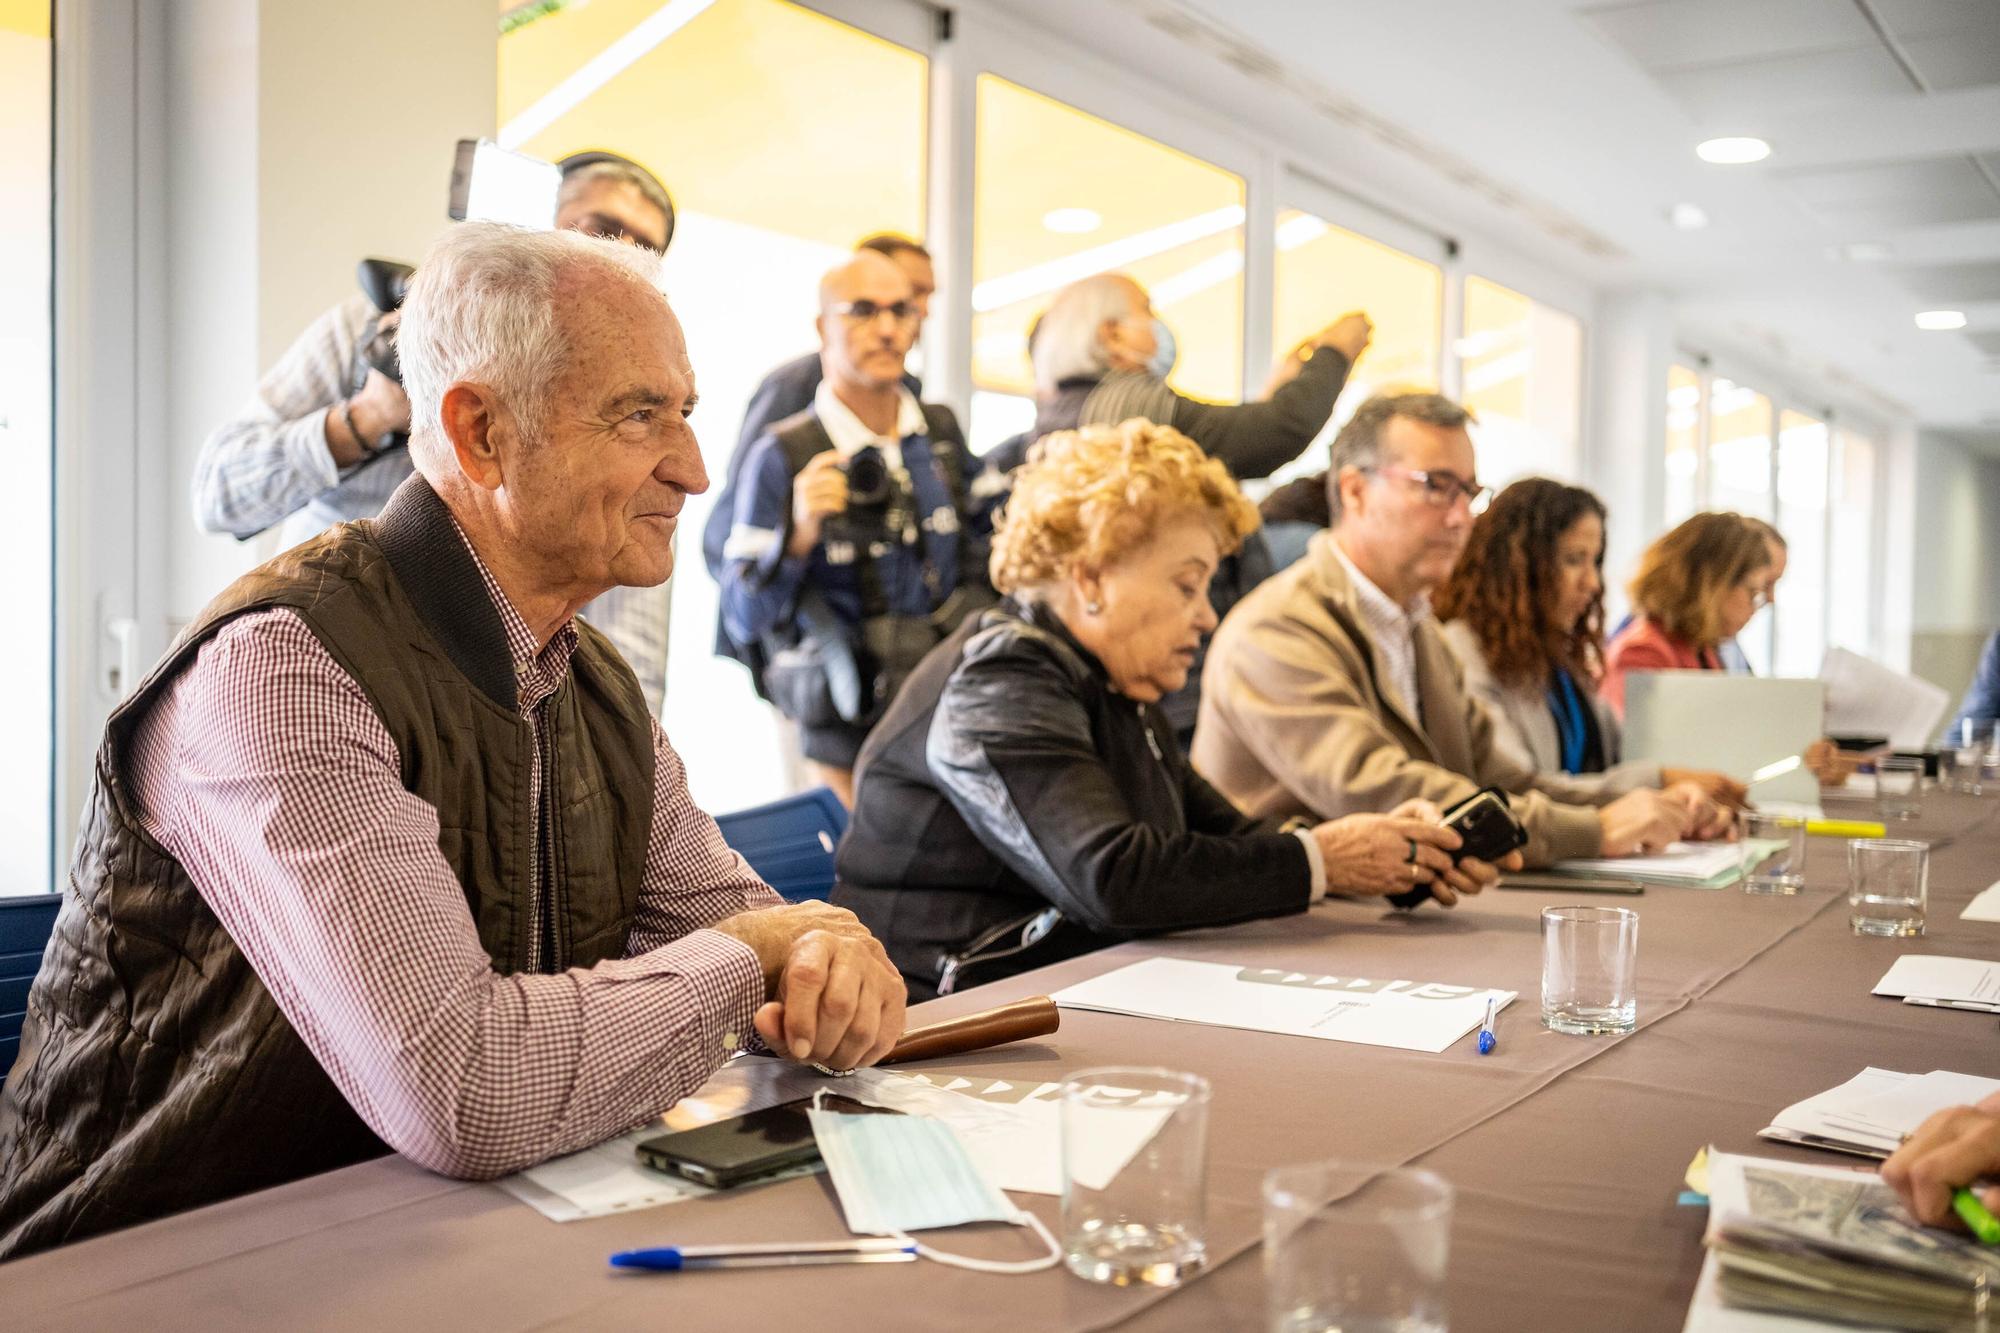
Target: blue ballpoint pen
784,1254
1487,1041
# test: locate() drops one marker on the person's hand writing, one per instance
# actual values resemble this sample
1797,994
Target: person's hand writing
835,998
1642,821
818,493
1951,1150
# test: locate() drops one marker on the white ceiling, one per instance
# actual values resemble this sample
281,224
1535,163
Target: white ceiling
1578,118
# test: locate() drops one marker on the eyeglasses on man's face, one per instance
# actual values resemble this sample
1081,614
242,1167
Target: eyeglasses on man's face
1441,490
865,311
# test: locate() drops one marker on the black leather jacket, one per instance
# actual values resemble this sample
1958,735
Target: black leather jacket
1009,779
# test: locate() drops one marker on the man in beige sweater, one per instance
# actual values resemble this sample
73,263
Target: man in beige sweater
1330,690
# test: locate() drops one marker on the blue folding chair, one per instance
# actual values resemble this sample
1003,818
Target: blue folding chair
790,842
25,924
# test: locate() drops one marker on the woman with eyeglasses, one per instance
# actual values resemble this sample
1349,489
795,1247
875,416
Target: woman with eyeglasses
1524,611
1696,588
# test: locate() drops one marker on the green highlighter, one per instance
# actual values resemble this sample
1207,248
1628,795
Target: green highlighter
1973,1213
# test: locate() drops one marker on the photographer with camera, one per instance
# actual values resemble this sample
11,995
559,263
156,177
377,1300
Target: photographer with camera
854,546
323,439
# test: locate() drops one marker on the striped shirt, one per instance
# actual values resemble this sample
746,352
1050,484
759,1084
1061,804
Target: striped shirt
266,773
270,466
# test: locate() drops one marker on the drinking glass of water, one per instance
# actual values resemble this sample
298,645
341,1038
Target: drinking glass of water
1590,970
1774,852
1887,885
1135,1168
1355,1249
1899,786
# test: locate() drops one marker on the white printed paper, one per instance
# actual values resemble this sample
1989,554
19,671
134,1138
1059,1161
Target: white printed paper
1985,907
1899,1110
1865,698
1936,977
1411,1015
1825,1120
1693,862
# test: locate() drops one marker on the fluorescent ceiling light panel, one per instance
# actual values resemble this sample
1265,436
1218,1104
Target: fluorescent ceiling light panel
601,69
1733,152
1940,321
1037,279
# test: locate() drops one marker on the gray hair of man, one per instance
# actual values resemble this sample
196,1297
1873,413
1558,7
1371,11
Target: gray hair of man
1068,339
482,307
575,182
1359,443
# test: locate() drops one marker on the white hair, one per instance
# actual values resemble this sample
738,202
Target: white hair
1069,343
482,306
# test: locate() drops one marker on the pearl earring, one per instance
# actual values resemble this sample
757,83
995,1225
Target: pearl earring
1093,608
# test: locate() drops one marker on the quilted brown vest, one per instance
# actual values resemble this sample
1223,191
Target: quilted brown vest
155,1071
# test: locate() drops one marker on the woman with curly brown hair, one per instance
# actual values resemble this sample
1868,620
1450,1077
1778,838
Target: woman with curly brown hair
1524,611
1023,800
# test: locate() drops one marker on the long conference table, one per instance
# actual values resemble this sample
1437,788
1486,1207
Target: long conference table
1567,1153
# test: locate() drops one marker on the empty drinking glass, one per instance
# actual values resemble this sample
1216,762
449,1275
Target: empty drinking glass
1590,969
1768,868
1887,886
1135,1163
1353,1248
1899,786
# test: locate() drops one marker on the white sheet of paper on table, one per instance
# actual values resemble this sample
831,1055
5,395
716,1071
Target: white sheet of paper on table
1937,977
1900,1109
1985,907
1695,862
1825,1115
1410,1015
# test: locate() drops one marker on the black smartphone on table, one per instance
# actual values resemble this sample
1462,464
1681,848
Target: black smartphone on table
746,1147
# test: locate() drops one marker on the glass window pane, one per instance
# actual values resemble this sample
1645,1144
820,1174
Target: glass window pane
1851,548
1323,271
1109,201
26,401
1739,449
1800,613
721,110
1523,376
1683,461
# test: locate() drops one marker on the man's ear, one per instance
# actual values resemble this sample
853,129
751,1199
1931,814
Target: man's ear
472,421
1352,483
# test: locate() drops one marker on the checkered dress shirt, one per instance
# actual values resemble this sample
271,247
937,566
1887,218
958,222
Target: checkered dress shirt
266,773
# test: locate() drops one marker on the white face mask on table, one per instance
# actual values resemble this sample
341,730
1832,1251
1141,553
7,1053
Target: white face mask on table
901,1173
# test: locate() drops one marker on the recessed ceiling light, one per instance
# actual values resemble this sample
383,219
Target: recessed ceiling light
1688,217
1862,252
1940,321
1733,151
1072,221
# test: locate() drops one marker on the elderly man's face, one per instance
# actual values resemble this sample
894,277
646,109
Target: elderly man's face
617,211
868,322
598,496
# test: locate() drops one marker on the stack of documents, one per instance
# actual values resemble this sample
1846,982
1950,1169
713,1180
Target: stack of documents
1944,983
1414,1015
1699,865
1865,698
1871,1113
1830,1244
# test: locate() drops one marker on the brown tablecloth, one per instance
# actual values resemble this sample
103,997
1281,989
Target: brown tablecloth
1566,1152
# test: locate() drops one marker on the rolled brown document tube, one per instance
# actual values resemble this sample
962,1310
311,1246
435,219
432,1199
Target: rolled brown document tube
1035,1017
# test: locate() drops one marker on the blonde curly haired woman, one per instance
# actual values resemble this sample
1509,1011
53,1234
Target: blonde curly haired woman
1023,801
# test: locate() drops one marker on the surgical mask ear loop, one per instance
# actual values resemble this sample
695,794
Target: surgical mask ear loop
1002,1266
1022,1218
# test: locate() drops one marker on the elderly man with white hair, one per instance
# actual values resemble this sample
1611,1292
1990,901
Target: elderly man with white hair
388,851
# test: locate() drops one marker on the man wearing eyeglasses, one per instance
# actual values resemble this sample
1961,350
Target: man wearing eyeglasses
855,545
1331,691
322,441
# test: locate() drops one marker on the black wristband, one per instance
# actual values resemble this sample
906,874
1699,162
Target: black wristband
367,448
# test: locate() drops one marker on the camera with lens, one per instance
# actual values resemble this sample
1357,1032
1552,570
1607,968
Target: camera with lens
868,481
